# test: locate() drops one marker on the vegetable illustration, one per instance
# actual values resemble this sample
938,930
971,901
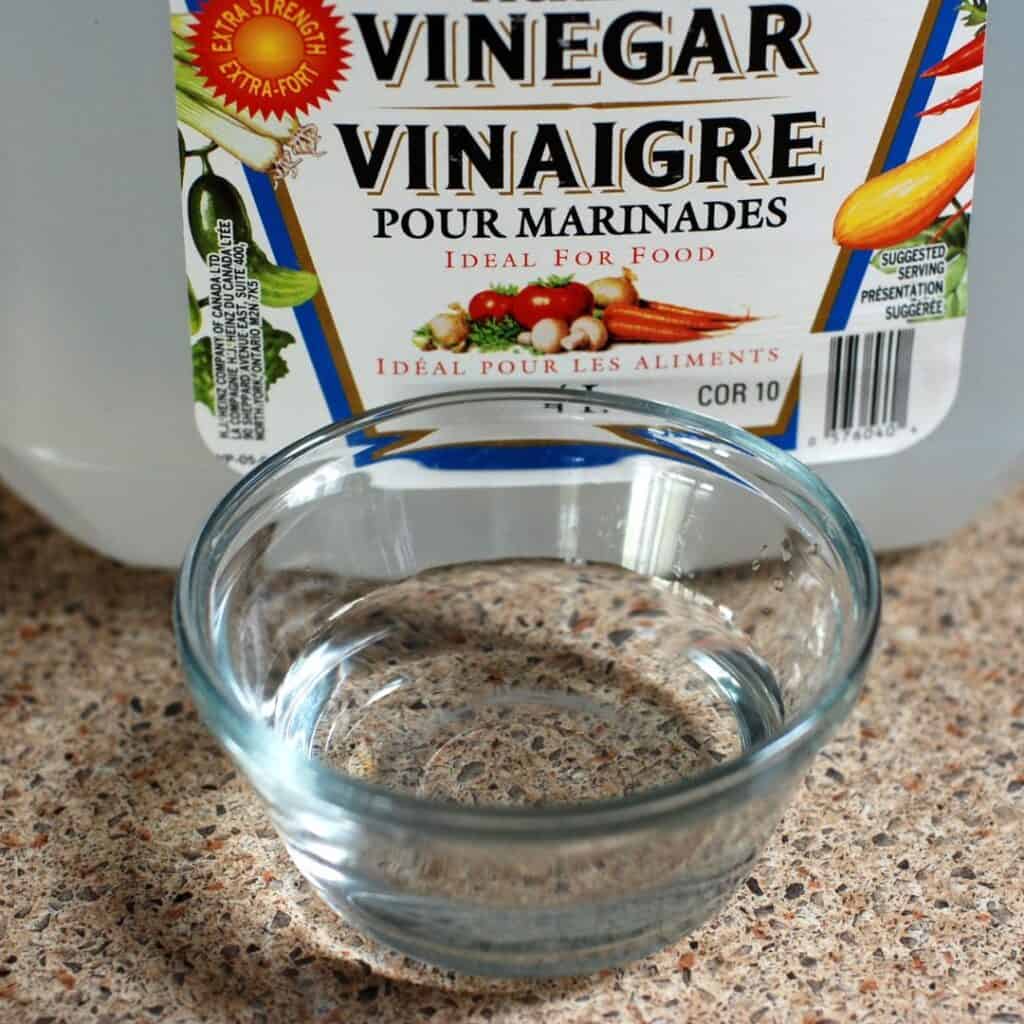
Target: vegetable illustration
560,298
195,315
281,286
964,98
493,304
557,314
274,340
975,12
181,25
636,323
548,334
275,365
573,299
181,48
256,151
212,198
699,319
900,204
202,374
188,81
609,291
533,304
495,335
449,331
587,332
897,205
967,58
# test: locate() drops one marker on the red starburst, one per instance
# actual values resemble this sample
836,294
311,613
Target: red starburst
274,58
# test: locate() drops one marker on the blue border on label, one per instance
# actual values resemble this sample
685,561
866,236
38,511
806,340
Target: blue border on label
898,154
564,457
306,314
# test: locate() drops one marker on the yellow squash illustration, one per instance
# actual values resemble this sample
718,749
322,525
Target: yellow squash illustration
903,202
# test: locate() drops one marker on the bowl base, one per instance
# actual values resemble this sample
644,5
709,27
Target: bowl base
522,942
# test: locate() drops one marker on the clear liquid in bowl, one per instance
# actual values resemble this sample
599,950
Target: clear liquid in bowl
525,683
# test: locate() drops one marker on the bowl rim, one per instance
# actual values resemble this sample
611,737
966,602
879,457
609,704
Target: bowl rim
254,744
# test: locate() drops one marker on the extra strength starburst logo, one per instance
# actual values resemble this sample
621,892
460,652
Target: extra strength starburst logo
272,58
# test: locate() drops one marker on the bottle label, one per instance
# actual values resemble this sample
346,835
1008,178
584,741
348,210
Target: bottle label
760,212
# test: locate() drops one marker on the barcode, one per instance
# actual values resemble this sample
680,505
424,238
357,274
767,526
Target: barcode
869,380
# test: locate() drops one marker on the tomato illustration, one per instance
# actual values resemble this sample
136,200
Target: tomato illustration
576,300
490,305
559,298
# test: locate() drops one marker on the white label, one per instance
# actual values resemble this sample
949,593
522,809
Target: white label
776,196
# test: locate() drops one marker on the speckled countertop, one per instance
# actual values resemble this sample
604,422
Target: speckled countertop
139,880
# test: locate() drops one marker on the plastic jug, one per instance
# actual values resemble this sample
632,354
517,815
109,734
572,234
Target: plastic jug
97,419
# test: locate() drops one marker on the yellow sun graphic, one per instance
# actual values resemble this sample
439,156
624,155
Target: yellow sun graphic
269,47
271,59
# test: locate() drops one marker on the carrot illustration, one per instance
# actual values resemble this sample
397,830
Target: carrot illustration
699,319
967,58
901,203
633,323
964,98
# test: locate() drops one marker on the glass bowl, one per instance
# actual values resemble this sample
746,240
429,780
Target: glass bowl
526,677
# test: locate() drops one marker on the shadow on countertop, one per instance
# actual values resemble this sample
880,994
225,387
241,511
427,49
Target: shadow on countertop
157,885
141,881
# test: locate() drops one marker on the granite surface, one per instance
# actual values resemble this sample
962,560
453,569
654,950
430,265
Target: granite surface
140,881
